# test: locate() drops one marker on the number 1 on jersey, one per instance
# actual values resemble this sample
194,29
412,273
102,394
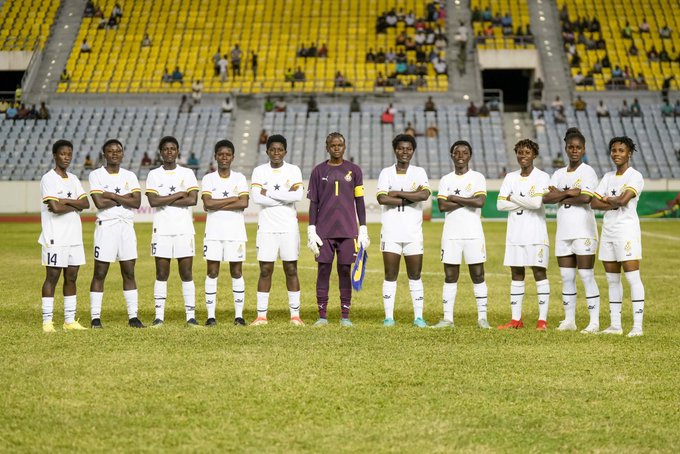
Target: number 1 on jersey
336,188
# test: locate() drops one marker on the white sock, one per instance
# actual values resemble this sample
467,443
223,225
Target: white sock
417,296
262,304
70,309
238,288
189,294
569,293
516,298
592,295
160,293
47,308
294,303
131,301
543,293
389,289
481,293
96,304
449,299
637,294
615,298
210,295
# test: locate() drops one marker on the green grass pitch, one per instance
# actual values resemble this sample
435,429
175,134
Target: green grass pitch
280,388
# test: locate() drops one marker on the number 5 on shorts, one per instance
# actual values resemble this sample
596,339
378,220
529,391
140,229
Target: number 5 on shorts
153,248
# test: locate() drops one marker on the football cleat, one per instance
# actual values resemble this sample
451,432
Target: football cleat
321,322
483,323
513,324
389,322
192,323
420,323
345,322
635,332
96,323
617,331
541,325
74,326
259,321
591,329
297,321
566,326
48,327
134,322
157,323
443,324
238,321
211,322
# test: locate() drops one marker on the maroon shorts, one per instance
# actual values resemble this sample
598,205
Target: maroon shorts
346,248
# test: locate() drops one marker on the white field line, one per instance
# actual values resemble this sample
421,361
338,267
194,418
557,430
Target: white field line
661,236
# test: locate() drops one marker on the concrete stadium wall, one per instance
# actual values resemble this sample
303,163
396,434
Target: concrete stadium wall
23,197
15,60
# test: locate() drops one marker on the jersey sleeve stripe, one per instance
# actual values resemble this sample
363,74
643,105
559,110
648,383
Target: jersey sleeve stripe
82,196
426,188
152,191
501,197
442,197
591,194
381,193
256,185
192,188
206,193
96,191
136,190
479,193
49,197
359,191
628,188
243,193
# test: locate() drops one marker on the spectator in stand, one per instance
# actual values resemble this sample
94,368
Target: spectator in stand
85,47
638,83
410,130
472,110
663,56
633,50
665,32
440,67
43,113
299,76
559,116
579,78
486,14
289,76
341,81
665,88
146,41
185,106
177,76
192,162
117,13
197,91
390,57
312,51
228,105
216,61
676,109
146,160
370,56
222,66
579,104
302,51
380,56
12,112
354,105
539,121
429,105
166,77
323,51
602,110
263,137
652,54
268,104
280,105
627,31
624,111
484,110
432,131
635,109
64,77
89,9
312,105
254,62
644,26
380,81
236,55
666,110
24,112
557,104
387,117
88,164
4,105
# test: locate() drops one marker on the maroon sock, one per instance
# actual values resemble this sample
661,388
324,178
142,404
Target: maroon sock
345,289
323,277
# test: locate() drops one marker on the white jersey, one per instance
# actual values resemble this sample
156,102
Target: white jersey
122,183
526,226
402,224
278,213
225,224
575,221
465,222
622,222
60,229
170,220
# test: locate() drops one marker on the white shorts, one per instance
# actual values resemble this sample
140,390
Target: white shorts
271,245
577,246
406,249
63,256
473,250
224,251
115,241
526,255
620,251
172,246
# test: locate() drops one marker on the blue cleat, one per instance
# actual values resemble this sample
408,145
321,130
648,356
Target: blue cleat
321,322
389,323
420,323
347,323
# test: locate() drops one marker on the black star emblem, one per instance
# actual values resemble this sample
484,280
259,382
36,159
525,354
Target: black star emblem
521,195
613,191
457,192
565,188
172,189
225,193
117,190
277,187
68,195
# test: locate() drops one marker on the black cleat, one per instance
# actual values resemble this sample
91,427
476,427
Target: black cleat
157,323
96,323
211,322
192,323
238,321
135,323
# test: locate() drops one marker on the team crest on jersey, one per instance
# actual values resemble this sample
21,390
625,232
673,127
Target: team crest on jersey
588,242
414,186
540,254
628,246
532,190
348,177
577,183
181,184
240,248
468,187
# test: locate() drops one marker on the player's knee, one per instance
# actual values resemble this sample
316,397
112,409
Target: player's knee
290,271
70,276
212,274
414,276
477,278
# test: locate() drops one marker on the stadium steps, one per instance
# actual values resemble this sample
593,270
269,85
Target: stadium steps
555,70
470,84
247,146
57,49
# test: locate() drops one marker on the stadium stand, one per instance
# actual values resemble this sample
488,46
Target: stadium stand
27,144
187,35
25,23
369,142
489,32
612,16
657,139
